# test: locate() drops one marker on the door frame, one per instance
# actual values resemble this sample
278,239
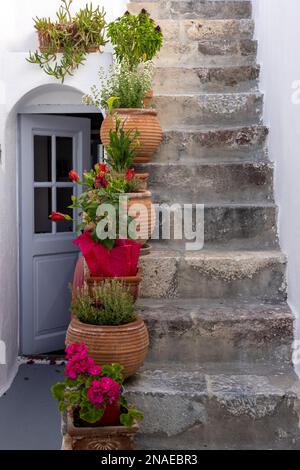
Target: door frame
54,109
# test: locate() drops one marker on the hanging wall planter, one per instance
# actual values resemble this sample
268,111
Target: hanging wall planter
65,43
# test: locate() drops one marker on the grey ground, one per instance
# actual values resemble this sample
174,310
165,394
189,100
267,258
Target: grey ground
29,416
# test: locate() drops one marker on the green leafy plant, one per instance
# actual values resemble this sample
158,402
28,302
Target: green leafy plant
90,389
123,145
101,186
127,87
72,36
135,38
110,304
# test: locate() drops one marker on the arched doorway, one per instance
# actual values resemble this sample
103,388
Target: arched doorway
56,134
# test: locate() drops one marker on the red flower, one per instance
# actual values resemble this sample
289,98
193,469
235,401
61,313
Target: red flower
101,182
130,174
58,216
101,169
73,175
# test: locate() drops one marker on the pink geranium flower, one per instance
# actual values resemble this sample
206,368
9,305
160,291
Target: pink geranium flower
79,363
103,392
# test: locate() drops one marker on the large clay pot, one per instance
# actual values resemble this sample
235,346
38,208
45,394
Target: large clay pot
132,283
126,344
145,121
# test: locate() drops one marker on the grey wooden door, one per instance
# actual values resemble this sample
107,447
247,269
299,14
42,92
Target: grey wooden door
50,146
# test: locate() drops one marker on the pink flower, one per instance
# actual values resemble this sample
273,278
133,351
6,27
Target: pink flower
79,363
75,348
103,392
95,370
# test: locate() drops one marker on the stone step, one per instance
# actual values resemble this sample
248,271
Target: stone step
185,31
213,144
208,53
227,227
193,9
192,110
231,183
247,275
206,80
196,332
201,409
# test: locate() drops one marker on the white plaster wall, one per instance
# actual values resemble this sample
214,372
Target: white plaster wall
278,33
17,79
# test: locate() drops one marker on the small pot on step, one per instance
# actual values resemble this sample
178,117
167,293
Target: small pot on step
98,438
132,283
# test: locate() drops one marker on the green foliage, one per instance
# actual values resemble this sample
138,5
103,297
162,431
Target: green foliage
122,147
72,394
92,197
128,85
135,38
110,304
73,36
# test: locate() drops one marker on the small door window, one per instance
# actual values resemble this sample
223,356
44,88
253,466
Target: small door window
53,160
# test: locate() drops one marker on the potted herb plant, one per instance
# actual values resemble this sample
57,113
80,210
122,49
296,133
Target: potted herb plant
129,88
148,40
105,319
99,416
72,36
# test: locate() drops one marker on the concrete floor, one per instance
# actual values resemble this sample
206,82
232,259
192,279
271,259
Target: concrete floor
29,416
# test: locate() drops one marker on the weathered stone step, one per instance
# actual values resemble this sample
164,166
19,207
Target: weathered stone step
190,9
188,111
227,226
213,144
207,53
247,275
206,29
206,80
195,332
211,183
198,409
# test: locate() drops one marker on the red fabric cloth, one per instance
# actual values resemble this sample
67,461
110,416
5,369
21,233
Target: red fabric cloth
121,261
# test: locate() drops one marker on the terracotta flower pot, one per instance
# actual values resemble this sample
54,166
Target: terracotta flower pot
111,417
144,180
148,99
97,438
44,39
146,216
125,344
132,283
146,122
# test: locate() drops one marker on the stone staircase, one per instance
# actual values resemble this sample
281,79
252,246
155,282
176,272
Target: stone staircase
219,373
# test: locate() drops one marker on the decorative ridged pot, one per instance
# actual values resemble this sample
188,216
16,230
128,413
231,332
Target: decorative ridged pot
147,217
126,344
146,122
97,438
132,283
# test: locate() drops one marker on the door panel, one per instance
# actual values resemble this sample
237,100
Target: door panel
50,147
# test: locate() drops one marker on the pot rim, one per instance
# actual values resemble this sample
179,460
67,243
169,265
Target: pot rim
140,195
136,111
136,324
136,278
